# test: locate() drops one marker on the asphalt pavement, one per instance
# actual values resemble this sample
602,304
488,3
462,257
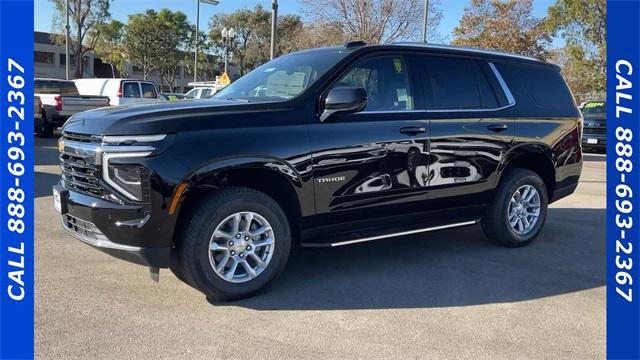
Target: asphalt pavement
441,295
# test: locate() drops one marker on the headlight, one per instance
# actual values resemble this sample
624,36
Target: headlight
128,178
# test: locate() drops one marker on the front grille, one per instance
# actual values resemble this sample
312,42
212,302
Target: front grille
82,228
79,137
80,175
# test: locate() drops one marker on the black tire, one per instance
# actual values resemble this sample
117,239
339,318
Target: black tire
496,222
202,219
45,131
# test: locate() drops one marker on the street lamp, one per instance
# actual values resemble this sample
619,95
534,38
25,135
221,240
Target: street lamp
66,42
197,38
274,24
227,36
425,18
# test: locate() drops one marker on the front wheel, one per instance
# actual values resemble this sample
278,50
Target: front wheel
233,243
517,213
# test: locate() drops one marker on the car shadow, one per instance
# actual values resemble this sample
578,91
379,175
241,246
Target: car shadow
458,267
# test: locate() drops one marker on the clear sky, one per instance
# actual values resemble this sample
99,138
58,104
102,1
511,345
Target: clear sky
44,10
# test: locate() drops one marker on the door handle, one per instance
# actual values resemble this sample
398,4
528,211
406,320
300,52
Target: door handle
497,127
413,130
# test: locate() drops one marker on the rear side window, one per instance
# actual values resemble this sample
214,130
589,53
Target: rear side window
451,84
149,91
541,84
131,90
55,87
205,93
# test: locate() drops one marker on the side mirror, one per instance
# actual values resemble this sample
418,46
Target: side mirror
344,100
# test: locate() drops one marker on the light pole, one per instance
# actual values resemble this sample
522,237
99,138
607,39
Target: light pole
227,36
66,42
197,37
274,23
425,17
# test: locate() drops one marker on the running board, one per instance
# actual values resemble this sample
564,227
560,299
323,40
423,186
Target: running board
402,233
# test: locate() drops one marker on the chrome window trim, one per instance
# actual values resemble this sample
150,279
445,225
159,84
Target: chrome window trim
503,84
511,101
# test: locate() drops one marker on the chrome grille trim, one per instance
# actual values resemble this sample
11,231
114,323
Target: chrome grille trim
87,232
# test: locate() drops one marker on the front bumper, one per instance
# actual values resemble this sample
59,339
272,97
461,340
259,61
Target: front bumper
118,230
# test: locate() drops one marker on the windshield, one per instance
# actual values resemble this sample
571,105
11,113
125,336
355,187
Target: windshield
281,79
594,108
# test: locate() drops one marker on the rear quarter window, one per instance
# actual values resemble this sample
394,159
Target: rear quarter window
542,85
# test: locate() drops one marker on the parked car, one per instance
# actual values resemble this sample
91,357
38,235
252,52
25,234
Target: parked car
172,96
60,99
120,91
199,93
323,147
37,109
594,135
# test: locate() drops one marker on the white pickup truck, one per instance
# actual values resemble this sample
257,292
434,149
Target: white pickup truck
60,99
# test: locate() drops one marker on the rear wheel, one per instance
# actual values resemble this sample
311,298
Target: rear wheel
517,214
233,243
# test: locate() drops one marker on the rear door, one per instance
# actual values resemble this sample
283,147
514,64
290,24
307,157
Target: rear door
467,103
372,163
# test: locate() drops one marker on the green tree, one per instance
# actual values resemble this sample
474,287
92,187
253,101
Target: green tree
176,30
583,25
503,25
109,47
156,42
250,27
85,17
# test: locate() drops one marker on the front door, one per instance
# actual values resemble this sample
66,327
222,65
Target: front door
372,164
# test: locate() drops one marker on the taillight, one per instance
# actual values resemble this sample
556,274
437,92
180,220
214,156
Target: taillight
58,100
120,91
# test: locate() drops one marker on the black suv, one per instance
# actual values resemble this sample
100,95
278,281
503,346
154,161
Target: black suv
595,125
324,147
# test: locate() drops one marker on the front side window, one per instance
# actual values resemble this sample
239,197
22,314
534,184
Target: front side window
149,91
386,81
131,90
281,79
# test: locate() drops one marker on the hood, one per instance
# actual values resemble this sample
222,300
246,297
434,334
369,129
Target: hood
162,117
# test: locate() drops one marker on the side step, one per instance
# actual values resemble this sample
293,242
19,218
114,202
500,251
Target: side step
402,233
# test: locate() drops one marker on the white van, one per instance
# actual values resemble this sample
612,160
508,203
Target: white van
120,91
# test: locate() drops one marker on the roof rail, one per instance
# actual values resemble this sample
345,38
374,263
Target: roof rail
465,49
354,43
